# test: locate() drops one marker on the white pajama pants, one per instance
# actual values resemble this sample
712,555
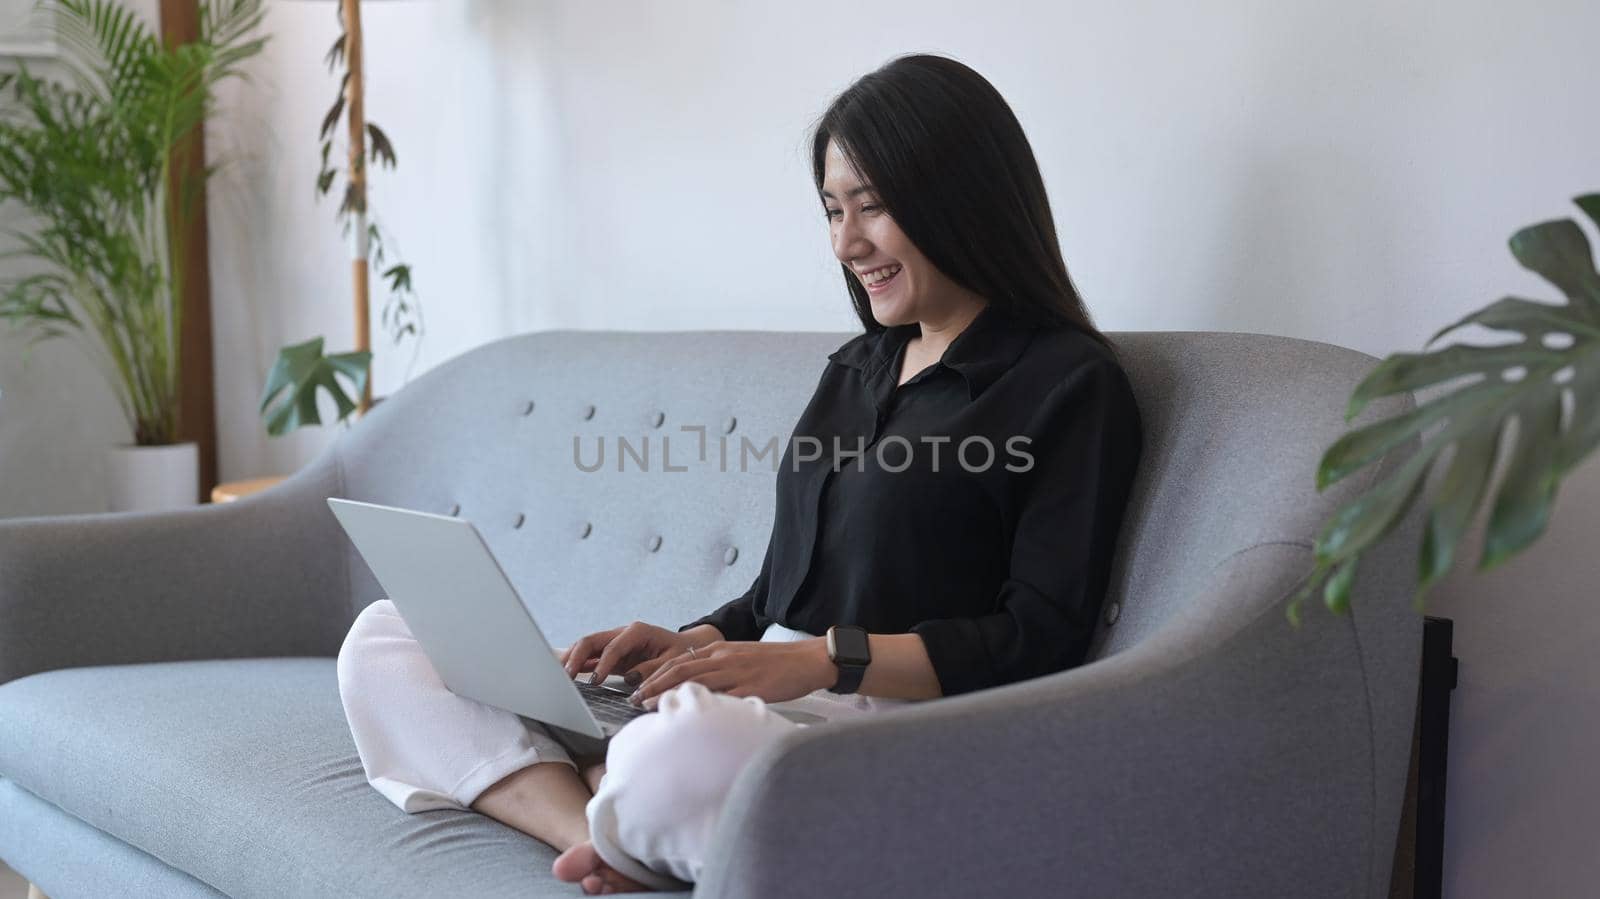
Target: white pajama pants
667,774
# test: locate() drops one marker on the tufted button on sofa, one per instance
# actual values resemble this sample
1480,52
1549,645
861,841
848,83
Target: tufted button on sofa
170,723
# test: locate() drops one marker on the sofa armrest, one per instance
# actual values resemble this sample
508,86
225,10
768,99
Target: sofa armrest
1228,754
262,576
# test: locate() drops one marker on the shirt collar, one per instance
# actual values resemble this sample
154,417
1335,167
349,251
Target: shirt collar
981,353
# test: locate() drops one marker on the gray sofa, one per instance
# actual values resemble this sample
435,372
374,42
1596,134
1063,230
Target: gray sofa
170,723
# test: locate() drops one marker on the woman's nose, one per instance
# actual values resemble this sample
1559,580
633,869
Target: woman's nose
848,242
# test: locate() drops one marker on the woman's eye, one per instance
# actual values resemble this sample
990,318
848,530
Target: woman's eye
833,212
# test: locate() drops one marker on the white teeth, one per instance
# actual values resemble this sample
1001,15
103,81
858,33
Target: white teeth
882,274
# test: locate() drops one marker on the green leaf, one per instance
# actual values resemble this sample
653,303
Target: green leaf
1459,494
1560,253
1522,506
1402,372
1368,517
1590,204
335,53
1557,356
1336,593
332,118
299,372
1523,316
382,149
399,277
1356,449
1583,434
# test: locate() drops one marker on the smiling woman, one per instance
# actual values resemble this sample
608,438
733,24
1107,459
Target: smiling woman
922,164
974,554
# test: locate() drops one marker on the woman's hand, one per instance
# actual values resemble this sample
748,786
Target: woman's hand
623,648
776,672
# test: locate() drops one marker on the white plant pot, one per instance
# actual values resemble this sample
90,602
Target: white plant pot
150,478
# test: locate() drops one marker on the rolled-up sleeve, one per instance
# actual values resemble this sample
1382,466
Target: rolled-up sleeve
736,619
1085,441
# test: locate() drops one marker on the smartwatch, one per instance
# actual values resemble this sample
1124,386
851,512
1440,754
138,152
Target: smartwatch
848,649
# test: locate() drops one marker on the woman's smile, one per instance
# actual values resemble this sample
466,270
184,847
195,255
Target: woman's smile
876,282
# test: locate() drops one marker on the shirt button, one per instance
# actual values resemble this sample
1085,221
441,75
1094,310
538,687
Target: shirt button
731,556
1112,612
655,543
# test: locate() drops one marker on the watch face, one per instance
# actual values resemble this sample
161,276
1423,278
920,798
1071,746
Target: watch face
849,646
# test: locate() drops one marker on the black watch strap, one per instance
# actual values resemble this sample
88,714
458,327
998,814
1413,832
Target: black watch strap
849,678
853,656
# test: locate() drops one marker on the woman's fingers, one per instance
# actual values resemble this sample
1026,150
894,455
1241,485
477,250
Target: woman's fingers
717,681
618,651
574,651
563,654
677,670
587,647
642,671
647,686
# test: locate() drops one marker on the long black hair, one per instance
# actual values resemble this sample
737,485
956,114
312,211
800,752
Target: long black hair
949,162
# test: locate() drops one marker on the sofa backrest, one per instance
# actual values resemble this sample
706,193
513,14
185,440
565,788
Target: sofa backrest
1234,427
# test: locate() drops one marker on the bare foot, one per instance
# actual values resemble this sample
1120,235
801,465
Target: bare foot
581,863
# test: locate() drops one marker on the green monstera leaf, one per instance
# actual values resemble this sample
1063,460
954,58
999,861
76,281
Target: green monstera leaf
1557,357
298,373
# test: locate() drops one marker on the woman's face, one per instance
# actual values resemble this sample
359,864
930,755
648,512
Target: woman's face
867,240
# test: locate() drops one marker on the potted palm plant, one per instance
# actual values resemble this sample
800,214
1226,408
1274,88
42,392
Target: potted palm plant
93,162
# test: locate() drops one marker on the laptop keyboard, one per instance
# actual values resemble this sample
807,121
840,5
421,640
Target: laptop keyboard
609,705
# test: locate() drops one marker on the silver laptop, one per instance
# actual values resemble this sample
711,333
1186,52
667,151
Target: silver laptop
478,633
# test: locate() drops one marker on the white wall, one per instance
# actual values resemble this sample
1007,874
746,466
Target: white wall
1341,172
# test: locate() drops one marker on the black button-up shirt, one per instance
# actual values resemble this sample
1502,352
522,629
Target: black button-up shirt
977,505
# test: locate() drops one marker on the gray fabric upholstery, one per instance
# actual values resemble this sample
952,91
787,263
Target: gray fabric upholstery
1209,748
1181,767
459,438
65,857
242,773
262,578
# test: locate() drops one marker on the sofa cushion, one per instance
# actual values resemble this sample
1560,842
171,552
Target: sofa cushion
66,857
242,773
